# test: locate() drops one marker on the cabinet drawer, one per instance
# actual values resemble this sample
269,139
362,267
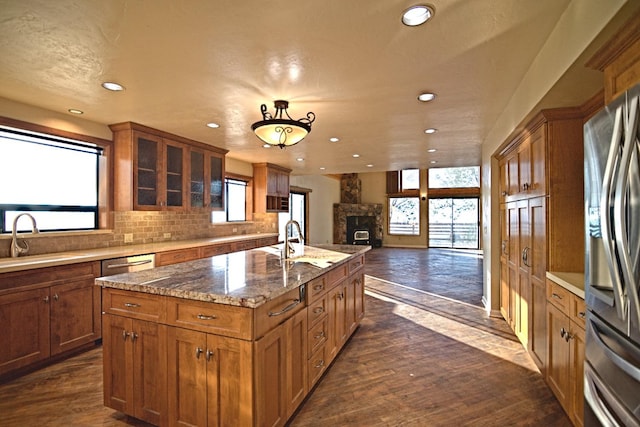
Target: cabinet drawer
356,263
558,296
316,288
316,310
274,312
174,257
137,305
578,310
317,336
219,319
214,250
317,365
336,275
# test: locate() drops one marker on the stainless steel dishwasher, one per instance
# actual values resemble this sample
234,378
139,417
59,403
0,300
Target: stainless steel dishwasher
128,264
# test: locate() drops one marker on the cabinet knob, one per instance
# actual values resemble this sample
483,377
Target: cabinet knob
319,364
124,335
320,335
56,297
198,352
504,194
46,299
582,314
209,354
134,336
563,332
318,310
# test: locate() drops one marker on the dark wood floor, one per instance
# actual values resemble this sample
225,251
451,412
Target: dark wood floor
418,359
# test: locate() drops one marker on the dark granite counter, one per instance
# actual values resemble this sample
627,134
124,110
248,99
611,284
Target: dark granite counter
246,278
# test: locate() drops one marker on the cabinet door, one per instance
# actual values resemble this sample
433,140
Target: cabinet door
524,167
538,150
149,342
513,259
296,361
215,176
524,286
25,337
196,178
229,381
117,363
358,287
147,171
558,366
75,318
187,377
536,259
271,374
577,343
174,179
337,316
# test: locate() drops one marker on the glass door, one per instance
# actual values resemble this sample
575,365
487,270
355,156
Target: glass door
454,223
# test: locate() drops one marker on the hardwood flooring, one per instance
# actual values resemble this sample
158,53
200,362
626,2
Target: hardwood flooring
418,359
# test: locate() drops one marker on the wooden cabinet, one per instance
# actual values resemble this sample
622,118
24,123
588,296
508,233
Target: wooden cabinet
209,379
176,256
47,312
270,188
134,367
565,360
541,185
155,170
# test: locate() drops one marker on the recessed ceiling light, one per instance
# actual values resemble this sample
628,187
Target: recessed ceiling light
112,86
300,159
417,15
430,130
334,139
369,165
431,150
266,145
322,168
74,111
356,155
433,162
213,125
426,97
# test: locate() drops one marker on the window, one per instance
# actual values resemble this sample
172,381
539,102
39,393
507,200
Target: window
297,212
236,197
53,178
463,177
404,215
409,179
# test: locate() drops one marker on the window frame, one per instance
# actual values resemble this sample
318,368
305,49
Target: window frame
104,171
403,196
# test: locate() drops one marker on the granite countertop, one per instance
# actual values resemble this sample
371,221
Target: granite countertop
573,282
83,255
246,278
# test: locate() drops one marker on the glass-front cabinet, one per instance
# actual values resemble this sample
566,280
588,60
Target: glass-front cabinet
155,170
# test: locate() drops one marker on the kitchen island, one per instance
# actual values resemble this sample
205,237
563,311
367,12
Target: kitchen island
236,339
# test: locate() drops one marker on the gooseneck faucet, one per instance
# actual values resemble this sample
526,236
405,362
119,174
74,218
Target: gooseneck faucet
288,248
18,248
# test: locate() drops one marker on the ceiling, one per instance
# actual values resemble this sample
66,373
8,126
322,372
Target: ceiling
353,63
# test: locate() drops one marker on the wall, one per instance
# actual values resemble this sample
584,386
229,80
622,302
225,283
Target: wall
146,227
325,191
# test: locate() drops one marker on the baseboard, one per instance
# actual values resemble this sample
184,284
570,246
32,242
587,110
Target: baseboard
490,313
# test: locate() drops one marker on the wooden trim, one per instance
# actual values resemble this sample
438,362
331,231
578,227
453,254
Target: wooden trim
628,34
131,126
592,106
272,166
438,193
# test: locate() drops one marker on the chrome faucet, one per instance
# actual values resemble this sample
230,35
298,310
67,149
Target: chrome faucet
18,248
288,247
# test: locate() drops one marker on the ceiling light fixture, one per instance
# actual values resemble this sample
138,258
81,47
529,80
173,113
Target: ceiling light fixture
112,86
426,97
430,130
334,139
356,156
75,111
283,132
417,15
213,125
431,150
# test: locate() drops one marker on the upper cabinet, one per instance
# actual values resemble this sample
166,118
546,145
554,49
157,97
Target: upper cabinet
155,170
523,169
271,188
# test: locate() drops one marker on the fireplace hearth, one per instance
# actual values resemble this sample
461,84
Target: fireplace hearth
351,219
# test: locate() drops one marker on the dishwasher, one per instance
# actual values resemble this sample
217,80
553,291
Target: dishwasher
127,264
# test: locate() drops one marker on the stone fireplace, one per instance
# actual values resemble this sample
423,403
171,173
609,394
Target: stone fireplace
350,215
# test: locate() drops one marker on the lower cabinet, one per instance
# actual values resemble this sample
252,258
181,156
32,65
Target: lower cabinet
565,352
47,312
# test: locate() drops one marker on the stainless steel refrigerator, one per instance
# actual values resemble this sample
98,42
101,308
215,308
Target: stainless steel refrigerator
612,268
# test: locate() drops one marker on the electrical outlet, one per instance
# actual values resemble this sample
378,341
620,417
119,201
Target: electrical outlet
128,237
167,235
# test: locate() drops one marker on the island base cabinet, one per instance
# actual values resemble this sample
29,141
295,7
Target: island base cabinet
209,379
135,368
281,371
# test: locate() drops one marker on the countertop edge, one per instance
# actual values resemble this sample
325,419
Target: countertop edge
32,262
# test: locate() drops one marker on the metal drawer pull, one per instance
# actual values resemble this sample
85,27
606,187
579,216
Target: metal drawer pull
209,354
563,332
287,308
318,287
131,305
318,310
134,336
581,314
129,264
319,336
554,295
56,297
198,352
124,335
206,317
320,364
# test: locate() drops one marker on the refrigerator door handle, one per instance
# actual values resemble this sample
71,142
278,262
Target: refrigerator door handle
602,401
620,209
610,177
596,327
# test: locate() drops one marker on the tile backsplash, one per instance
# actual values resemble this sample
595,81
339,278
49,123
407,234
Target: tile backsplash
144,227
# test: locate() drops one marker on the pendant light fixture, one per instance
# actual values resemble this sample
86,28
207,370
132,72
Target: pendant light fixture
282,131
